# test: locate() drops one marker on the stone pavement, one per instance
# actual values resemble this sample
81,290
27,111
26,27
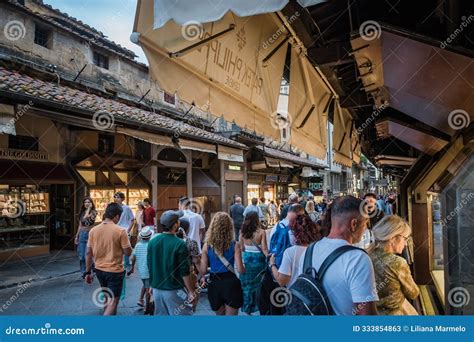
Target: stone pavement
56,288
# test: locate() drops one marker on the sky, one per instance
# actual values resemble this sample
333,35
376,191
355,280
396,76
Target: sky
114,18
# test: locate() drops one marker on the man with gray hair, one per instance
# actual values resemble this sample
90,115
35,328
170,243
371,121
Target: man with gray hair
237,214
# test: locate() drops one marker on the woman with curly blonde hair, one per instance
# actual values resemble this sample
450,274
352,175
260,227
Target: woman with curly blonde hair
221,253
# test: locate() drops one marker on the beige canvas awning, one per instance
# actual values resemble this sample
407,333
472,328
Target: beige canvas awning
227,75
184,11
145,136
233,67
307,106
197,146
343,130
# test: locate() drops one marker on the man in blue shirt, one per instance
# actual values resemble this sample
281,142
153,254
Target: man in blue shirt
254,207
126,220
237,215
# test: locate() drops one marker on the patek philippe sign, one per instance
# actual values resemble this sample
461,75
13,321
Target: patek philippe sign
7,153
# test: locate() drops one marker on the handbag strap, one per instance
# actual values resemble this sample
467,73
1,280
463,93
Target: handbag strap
259,248
224,261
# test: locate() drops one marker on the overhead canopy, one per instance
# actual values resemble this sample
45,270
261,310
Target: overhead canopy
230,154
197,146
418,78
342,136
308,104
185,11
422,141
145,136
232,66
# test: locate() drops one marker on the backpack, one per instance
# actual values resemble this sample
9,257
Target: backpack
280,242
308,296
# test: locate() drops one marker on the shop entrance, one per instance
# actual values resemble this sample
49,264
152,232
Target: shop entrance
233,188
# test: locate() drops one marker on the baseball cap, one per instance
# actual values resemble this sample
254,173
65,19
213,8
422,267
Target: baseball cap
169,218
146,233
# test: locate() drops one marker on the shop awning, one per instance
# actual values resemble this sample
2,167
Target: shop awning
230,154
185,11
145,136
343,131
418,77
232,66
422,141
308,105
33,173
197,146
285,159
382,160
272,162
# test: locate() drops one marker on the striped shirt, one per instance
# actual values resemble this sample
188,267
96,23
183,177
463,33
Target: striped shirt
140,252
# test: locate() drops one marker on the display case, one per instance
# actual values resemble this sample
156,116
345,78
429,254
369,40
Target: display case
24,218
101,197
135,196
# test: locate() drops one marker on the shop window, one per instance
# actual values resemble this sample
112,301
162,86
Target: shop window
142,150
89,176
123,176
43,36
23,142
101,60
106,143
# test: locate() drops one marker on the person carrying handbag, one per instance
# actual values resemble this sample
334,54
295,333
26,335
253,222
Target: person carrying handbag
220,253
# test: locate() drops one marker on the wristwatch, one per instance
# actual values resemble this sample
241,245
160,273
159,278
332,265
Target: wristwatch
87,273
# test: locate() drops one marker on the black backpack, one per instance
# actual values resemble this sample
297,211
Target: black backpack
308,296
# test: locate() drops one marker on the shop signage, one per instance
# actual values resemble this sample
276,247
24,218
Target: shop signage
271,178
230,157
6,153
315,186
283,179
234,167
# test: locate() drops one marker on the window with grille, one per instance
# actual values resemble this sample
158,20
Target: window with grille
106,143
43,36
101,60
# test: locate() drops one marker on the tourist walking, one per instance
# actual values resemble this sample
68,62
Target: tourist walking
140,258
221,252
311,211
108,244
168,265
126,220
349,281
253,207
237,215
87,216
254,251
305,232
149,215
197,227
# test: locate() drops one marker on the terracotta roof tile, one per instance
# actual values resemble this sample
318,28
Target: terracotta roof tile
26,85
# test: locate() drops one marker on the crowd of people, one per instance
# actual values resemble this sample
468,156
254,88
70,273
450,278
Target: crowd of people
244,256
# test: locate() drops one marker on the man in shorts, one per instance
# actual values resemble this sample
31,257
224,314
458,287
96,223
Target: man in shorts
108,244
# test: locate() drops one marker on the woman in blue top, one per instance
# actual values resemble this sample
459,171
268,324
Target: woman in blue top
224,256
